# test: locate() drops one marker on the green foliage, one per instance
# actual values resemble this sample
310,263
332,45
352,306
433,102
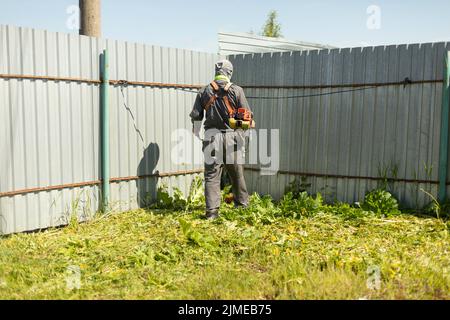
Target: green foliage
302,205
380,202
144,254
261,210
226,191
177,201
387,172
296,204
295,248
444,210
196,197
272,28
349,212
434,208
194,236
297,187
164,200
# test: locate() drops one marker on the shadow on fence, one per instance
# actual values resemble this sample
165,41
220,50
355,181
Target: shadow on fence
147,183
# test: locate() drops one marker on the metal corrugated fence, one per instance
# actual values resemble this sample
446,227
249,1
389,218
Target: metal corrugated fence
49,130
346,143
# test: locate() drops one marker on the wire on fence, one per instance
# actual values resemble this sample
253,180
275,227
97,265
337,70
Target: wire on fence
122,85
355,87
195,88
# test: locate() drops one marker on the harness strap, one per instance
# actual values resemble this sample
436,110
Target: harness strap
210,102
228,86
215,86
214,97
229,107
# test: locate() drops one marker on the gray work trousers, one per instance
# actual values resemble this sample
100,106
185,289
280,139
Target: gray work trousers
224,149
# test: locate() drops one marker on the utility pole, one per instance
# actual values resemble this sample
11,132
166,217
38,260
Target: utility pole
90,18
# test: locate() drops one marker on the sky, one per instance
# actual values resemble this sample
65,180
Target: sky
194,24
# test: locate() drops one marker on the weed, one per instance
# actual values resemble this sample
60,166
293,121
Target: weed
303,205
164,200
388,173
194,236
435,208
296,187
196,197
381,202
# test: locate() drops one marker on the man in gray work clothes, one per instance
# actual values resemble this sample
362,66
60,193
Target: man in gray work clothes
224,143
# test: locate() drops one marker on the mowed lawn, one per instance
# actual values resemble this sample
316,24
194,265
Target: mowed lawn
164,254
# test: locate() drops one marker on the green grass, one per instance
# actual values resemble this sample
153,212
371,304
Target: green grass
265,252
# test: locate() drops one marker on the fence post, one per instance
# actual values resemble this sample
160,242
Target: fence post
443,148
104,123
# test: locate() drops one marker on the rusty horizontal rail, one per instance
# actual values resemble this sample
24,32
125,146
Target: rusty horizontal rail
97,182
155,84
48,78
337,176
97,82
157,175
405,82
49,188
198,171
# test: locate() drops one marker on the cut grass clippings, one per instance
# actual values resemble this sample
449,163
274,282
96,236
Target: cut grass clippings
162,254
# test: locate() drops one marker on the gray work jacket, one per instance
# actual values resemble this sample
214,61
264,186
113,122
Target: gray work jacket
217,115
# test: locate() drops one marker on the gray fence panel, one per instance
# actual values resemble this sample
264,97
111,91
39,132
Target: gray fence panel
390,131
48,138
50,129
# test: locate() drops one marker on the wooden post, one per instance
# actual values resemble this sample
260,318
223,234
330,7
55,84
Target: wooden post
90,18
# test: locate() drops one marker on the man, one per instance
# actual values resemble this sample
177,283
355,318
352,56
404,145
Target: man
224,140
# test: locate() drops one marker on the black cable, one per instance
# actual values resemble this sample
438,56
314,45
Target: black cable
405,82
130,112
296,96
312,95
